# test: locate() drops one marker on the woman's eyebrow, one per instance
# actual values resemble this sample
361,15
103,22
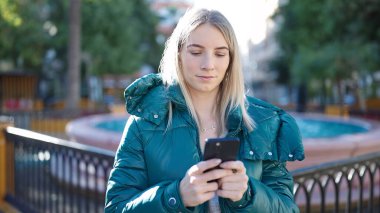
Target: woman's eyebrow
200,46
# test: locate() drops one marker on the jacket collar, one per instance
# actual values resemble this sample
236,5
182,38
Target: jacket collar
234,121
175,95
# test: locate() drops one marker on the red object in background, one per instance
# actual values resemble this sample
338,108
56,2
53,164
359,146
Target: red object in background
12,104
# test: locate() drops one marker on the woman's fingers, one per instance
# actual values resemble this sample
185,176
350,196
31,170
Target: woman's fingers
195,187
216,174
233,186
242,178
232,195
210,187
235,166
203,166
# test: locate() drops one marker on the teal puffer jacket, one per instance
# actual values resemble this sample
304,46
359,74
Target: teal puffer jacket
152,159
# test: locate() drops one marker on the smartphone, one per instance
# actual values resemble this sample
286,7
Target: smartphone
225,149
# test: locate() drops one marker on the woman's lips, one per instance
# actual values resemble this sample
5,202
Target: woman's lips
203,77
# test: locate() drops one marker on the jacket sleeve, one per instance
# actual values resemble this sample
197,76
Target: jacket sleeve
274,191
128,189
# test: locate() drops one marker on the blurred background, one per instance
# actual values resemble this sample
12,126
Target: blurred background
298,55
65,64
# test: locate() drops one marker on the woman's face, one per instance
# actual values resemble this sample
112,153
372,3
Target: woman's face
204,59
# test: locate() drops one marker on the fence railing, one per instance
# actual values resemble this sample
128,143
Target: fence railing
46,174
351,185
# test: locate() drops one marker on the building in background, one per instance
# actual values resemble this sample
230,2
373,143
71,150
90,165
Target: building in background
262,48
260,79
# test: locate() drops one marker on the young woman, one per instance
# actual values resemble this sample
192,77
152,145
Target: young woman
200,94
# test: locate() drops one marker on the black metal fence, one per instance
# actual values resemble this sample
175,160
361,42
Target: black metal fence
47,174
343,186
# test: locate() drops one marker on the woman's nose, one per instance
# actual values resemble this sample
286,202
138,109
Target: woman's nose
207,63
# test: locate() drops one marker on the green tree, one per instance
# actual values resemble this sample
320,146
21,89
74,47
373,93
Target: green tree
23,37
323,39
119,36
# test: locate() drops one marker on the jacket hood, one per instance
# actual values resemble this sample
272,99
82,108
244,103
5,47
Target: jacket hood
147,97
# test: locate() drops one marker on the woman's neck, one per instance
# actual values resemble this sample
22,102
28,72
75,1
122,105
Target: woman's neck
205,106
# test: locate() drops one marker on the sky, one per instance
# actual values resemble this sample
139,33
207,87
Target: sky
248,17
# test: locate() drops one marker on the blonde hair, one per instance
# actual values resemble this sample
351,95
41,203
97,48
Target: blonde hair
231,92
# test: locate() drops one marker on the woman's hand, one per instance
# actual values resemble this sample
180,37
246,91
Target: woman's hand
197,186
234,185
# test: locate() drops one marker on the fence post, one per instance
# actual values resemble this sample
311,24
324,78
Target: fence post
4,123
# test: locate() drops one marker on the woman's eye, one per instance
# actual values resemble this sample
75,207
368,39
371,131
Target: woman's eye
195,53
220,54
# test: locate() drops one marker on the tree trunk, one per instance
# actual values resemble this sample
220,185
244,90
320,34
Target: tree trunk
362,98
301,98
374,85
340,97
323,96
74,55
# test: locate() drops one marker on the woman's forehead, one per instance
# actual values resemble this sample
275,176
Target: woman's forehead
206,35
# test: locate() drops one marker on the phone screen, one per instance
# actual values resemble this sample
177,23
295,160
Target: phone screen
225,149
